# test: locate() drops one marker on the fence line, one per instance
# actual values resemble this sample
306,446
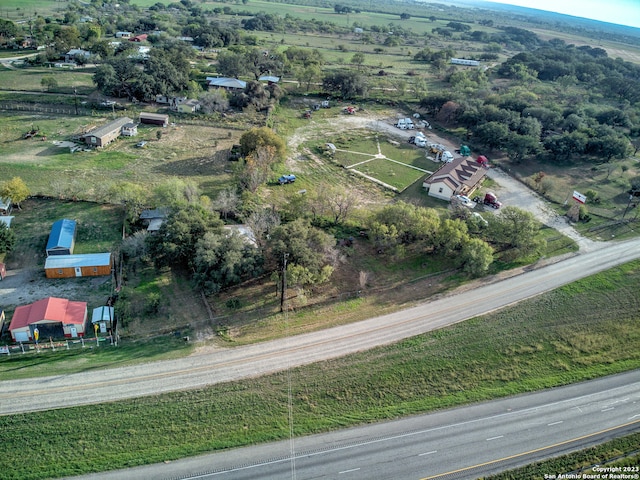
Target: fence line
79,343
57,110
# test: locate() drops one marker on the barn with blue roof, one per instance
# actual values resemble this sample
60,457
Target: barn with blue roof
62,237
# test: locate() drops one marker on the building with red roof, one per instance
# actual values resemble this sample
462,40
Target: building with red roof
53,317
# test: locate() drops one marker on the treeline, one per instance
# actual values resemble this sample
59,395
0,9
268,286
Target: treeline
591,112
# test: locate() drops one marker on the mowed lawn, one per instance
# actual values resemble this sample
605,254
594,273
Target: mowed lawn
554,339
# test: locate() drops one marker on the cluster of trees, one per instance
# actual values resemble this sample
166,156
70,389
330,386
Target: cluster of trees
193,239
469,242
583,65
165,71
562,127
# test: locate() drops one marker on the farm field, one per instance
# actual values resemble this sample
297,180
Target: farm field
185,151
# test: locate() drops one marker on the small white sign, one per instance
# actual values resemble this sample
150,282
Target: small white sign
578,197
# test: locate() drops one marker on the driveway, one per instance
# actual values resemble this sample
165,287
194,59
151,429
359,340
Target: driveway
27,285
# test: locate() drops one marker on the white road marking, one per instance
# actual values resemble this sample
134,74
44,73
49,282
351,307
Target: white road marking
495,438
347,471
428,453
607,409
554,423
635,416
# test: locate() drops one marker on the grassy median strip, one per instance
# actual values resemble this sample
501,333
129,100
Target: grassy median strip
620,452
584,330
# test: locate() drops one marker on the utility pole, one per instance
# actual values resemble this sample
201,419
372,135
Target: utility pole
75,97
284,281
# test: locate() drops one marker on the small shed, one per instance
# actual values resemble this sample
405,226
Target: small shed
130,130
85,265
188,106
153,219
103,317
62,237
6,219
154,119
55,316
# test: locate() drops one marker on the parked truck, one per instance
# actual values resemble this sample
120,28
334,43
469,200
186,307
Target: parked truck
491,200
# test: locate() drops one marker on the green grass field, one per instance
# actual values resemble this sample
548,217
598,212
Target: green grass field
390,173
554,339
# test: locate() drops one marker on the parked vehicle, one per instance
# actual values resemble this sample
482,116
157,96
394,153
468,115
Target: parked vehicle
491,200
462,200
349,110
401,124
286,179
325,104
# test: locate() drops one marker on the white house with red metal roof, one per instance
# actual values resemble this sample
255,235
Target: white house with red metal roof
55,316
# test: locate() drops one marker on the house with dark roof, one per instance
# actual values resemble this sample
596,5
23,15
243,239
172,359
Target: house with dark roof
107,133
62,237
458,177
51,317
153,219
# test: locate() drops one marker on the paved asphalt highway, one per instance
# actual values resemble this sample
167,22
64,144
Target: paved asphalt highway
17,396
462,443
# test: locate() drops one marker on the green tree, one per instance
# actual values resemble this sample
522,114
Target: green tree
132,196
175,243
404,224
450,236
515,230
347,83
7,238
16,190
176,192
519,146
306,246
475,256
491,134
222,260
49,83
309,74
255,138
358,59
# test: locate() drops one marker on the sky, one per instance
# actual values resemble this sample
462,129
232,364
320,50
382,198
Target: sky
622,12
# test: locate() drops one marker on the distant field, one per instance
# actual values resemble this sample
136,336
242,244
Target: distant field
17,10
29,79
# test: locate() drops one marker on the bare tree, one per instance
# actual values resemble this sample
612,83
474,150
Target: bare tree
227,202
262,222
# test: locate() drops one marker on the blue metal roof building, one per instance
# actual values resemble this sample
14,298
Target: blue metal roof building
62,237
